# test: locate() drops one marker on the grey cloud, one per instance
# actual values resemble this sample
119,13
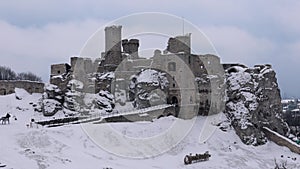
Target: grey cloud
34,49
246,31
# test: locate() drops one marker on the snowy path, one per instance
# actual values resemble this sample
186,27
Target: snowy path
99,117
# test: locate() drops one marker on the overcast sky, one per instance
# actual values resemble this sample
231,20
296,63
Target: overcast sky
35,34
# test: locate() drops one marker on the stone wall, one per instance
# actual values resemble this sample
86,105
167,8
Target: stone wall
280,140
58,69
8,86
205,93
180,44
82,65
112,55
149,116
131,47
113,35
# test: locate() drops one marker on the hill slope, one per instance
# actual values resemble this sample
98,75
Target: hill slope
70,147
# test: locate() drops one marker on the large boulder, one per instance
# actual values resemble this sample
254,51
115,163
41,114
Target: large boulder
51,101
53,92
51,107
77,98
148,87
254,101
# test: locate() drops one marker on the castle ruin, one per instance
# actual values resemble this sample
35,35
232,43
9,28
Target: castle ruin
121,56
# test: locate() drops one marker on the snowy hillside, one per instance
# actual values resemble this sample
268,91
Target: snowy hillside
69,147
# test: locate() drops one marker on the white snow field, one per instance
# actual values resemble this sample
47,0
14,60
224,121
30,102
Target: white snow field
69,147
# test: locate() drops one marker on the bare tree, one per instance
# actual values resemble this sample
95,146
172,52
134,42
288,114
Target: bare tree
7,74
28,76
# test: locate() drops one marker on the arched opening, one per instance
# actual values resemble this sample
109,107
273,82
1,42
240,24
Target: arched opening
174,101
2,91
172,66
29,90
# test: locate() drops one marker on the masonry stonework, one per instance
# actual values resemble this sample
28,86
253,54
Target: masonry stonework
175,59
281,140
8,86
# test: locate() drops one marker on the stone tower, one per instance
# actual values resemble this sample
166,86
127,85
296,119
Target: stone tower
131,47
180,44
113,38
112,55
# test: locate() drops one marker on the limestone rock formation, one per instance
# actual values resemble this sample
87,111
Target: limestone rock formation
51,107
148,87
253,102
52,100
75,100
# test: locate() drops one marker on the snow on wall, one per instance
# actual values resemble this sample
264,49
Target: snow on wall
281,140
154,77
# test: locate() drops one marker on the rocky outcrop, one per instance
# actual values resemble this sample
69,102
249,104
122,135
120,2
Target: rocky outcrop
52,100
51,107
253,102
148,87
75,100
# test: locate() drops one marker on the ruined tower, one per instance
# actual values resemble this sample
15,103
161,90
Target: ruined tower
112,55
113,38
131,47
180,44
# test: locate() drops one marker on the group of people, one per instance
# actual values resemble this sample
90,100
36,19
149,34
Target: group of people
30,125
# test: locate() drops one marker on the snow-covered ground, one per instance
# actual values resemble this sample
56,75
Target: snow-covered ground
70,147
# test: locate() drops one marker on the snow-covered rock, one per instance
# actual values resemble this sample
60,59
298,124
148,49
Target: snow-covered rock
103,81
253,101
51,107
53,92
148,87
153,77
76,84
103,100
79,97
51,101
